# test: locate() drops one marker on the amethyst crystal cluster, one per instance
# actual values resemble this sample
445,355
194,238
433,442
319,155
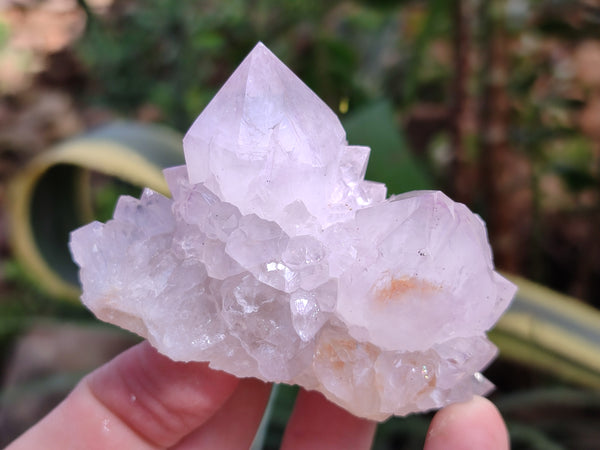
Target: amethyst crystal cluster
275,259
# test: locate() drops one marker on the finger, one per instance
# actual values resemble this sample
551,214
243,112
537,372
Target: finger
475,424
316,423
141,399
233,426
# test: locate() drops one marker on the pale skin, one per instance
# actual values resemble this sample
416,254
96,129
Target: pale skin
143,400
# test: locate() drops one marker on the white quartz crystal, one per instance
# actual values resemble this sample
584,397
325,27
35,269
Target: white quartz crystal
275,259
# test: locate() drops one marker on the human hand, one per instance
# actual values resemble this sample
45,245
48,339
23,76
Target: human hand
143,400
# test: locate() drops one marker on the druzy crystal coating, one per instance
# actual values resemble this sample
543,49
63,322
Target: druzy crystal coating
275,259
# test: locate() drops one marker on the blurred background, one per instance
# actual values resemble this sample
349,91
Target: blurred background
495,102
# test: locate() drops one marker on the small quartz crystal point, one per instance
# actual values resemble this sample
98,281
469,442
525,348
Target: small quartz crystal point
275,259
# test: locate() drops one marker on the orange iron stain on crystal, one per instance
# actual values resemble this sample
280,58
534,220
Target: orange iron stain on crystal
398,288
330,351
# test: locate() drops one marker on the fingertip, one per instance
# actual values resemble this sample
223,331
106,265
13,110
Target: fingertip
234,425
476,424
316,423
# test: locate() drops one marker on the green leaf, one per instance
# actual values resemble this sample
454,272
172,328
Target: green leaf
52,195
551,332
437,11
391,161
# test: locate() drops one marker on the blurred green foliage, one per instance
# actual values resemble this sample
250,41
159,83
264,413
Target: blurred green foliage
177,53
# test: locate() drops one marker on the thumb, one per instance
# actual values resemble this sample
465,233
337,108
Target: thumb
475,424
140,399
